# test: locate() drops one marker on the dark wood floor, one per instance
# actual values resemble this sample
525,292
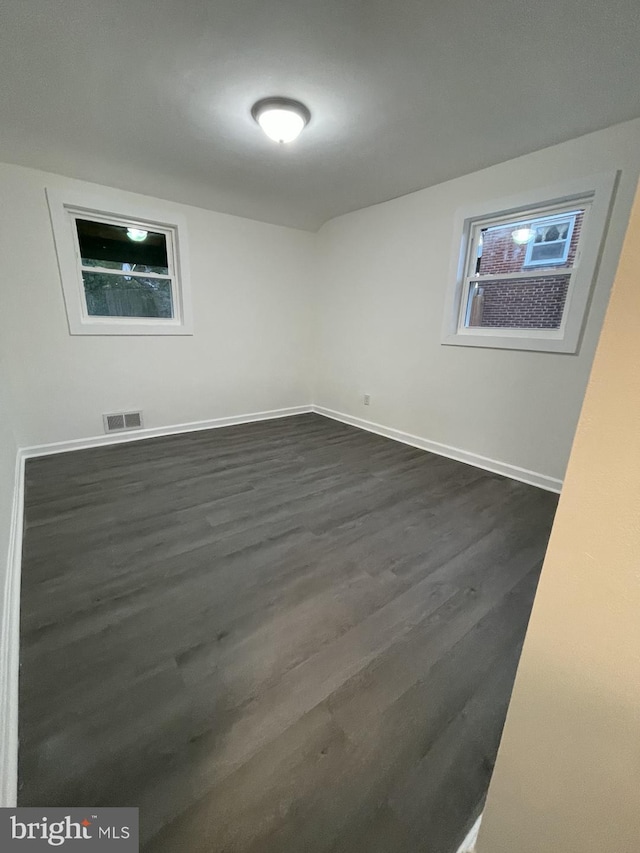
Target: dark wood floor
273,638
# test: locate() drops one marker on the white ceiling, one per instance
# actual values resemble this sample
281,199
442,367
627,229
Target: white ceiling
155,95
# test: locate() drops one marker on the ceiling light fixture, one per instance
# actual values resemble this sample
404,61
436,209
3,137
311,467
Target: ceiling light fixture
137,234
281,118
523,235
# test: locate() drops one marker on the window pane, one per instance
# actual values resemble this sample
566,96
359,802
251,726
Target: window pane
524,303
514,246
548,251
111,295
117,247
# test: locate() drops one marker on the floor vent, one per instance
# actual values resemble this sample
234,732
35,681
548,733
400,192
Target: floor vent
122,421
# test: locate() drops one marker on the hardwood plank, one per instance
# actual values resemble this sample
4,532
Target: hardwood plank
272,637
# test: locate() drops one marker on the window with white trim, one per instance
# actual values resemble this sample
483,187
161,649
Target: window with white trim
122,274
523,272
550,239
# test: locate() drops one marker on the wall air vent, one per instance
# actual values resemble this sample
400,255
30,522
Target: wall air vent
133,420
122,421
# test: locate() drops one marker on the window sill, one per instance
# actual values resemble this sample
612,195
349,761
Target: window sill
110,327
512,339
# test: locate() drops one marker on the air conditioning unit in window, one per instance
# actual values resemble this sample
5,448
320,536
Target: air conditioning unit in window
122,421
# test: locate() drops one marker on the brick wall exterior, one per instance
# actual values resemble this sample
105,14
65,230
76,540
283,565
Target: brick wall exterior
531,303
536,303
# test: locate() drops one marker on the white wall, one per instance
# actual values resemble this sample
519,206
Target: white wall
250,351
374,281
384,271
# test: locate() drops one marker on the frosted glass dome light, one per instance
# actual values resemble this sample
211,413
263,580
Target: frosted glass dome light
137,234
281,119
523,235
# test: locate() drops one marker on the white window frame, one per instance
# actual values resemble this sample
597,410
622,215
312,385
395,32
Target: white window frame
65,208
562,257
596,192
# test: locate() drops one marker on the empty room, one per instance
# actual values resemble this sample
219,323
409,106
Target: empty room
319,426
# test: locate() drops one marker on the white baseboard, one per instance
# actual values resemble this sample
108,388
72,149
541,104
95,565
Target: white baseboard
533,478
10,647
469,844
155,432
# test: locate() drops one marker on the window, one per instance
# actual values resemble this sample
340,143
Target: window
502,290
126,271
522,274
121,274
550,239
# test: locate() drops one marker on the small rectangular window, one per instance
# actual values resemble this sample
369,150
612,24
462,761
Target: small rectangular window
523,273
125,271
551,240
502,289
120,274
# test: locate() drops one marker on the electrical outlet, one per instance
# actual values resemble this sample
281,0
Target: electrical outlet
367,399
